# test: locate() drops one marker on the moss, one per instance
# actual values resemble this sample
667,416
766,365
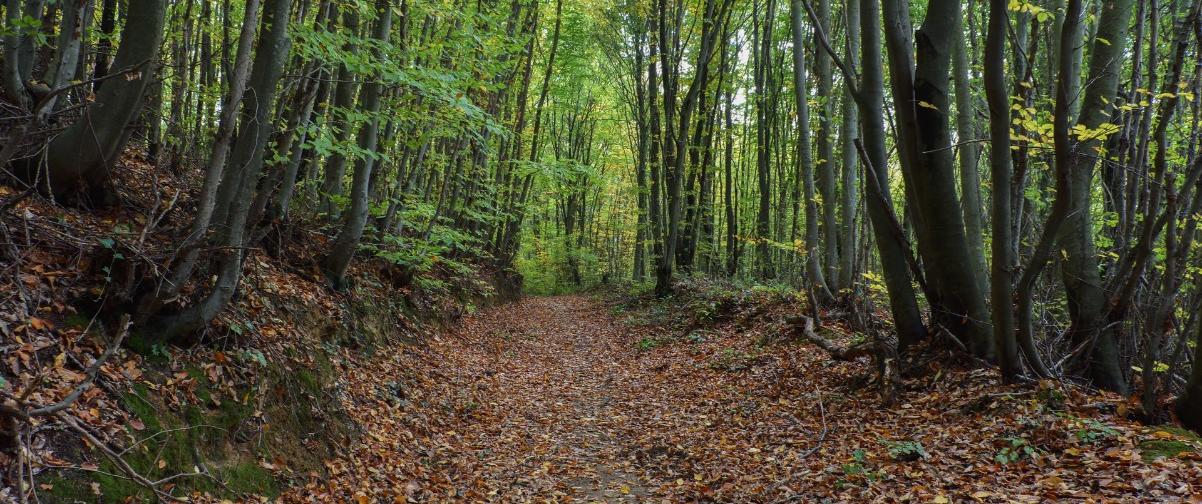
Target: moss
1155,448
76,321
208,427
1180,432
65,487
250,478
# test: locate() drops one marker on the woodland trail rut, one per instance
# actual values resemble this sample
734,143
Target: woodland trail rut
558,399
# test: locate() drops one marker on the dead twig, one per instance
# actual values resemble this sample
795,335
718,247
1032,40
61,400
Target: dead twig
120,462
812,450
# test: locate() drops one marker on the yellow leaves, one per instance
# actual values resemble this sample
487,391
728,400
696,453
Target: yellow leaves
1102,40
928,105
1101,132
1039,12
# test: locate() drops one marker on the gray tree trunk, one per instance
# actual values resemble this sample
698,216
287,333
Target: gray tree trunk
214,169
344,99
14,87
922,101
62,69
814,269
825,164
81,156
1080,269
970,152
902,300
850,168
1000,171
242,171
347,241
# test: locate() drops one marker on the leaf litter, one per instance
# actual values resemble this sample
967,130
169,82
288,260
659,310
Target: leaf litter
559,399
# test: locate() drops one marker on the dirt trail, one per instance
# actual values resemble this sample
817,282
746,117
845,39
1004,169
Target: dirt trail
557,398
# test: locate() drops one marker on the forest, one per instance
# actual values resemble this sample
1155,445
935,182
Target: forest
226,225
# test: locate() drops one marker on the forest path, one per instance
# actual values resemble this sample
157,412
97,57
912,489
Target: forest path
554,422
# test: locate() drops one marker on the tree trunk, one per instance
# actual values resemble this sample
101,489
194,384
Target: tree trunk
1080,269
763,152
902,300
344,101
236,191
14,86
347,241
814,269
76,19
850,168
921,106
825,164
214,170
970,179
1000,171
1189,405
80,157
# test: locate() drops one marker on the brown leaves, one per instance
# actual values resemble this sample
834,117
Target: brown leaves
552,399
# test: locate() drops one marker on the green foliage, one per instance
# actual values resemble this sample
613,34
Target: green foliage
1091,431
649,342
1015,449
859,469
905,450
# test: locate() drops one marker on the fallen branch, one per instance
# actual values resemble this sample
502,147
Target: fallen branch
849,353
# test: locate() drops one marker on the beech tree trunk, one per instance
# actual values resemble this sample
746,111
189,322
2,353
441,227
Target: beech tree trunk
242,169
81,156
892,249
1080,270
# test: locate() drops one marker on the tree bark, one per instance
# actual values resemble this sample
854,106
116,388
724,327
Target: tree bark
921,100
814,270
236,190
80,157
344,100
1000,171
347,240
1080,270
902,300
850,168
970,179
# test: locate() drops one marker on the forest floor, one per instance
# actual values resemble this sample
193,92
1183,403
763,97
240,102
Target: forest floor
584,399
